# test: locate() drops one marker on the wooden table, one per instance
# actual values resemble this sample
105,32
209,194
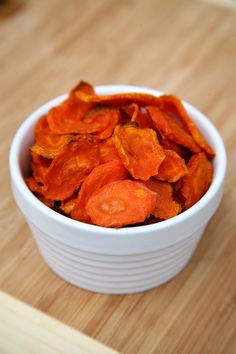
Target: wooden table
183,47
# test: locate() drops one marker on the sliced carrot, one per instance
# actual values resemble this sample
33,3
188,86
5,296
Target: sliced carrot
197,181
119,98
170,145
108,151
144,120
82,86
172,105
139,150
165,207
111,118
172,168
69,169
91,120
121,203
64,119
171,130
48,144
40,166
100,175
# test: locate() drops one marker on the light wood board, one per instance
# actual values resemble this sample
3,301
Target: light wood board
26,330
184,47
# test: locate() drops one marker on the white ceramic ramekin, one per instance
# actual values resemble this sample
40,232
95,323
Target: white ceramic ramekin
115,261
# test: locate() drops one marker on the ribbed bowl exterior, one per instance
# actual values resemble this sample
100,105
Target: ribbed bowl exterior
115,274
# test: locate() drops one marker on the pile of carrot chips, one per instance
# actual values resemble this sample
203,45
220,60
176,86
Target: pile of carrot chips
119,160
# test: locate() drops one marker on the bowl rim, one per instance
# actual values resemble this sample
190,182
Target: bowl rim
17,178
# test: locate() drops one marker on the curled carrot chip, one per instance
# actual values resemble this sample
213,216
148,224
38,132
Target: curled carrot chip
69,169
170,145
198,179
172,105
39,167
132,110
121,203
165,207
139,116
111,118
100,175
171,130
107,151
172,168
119,99
139,150
47,143
144,120
82,86
96,120
64,119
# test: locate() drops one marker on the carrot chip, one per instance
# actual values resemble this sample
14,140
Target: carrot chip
69,169
198,179
126,159
121,203
172,168
139,150
165,207
100,175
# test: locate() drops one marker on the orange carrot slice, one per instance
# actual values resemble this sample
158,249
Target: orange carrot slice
172,168
111,119
172,105
100,175
121,203
63,119
139,150
198,179
69,169
171,130
165,207
170,145
108,151
119,99
48,144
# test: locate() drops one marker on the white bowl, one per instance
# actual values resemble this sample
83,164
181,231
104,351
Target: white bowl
115,261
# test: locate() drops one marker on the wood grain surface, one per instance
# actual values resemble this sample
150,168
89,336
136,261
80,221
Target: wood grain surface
184,47
35,332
